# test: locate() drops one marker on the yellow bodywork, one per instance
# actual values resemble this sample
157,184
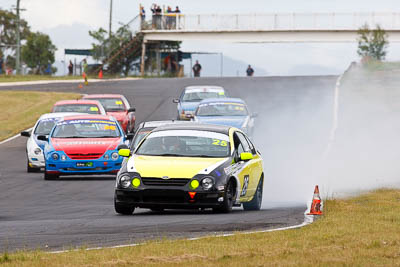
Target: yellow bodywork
173,167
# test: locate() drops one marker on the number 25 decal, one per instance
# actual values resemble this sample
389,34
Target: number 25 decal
217,142
245,185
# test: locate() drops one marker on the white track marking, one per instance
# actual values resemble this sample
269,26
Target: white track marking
14,137
307,220
335,118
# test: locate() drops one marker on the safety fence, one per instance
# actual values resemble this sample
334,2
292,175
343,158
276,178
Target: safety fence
271,22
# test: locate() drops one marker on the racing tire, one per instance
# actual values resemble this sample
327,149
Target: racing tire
30,169
255,203
229,198
128,128
48,176
123,209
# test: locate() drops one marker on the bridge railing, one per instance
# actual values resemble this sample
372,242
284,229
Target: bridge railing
272,22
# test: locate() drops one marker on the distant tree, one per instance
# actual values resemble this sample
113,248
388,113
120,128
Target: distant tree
38,52
8,26
119,51
372,43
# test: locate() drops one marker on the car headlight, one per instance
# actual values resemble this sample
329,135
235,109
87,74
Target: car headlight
106,156
55,156
207,183
63,157
125,181
114,156
37,151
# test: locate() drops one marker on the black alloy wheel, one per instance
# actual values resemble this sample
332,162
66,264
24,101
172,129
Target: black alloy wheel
255,203
229,198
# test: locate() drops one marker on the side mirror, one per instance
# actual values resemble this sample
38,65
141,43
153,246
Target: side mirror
122,146
131,110
43,138
246,156
254,115
26,134
124,153
176,100
130,136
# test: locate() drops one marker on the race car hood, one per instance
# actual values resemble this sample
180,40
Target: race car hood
119,115
173,167
234,121
85,145
189,106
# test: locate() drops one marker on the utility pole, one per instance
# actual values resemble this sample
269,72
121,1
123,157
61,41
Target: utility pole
109,32
18,55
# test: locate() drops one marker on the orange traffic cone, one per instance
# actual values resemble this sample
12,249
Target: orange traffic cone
316,203
101,74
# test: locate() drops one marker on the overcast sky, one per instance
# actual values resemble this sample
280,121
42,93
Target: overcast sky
68,22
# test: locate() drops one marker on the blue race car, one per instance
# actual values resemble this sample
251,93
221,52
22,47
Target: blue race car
226,111
192,96
84,144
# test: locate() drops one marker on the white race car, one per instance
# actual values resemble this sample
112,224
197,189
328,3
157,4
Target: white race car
34,147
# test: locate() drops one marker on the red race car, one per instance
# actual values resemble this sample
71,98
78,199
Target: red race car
80,106
118,107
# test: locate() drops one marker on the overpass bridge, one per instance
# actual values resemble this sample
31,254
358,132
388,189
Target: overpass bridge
264,28
268,28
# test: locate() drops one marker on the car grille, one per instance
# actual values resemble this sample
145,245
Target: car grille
165,182
85,156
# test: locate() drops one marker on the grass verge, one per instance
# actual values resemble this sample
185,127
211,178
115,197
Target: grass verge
26,78
362,231
21,109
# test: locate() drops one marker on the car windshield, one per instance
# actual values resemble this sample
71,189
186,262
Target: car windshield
140,135
81,108
222,109
44,127
86,129
197,96
185,143
111,104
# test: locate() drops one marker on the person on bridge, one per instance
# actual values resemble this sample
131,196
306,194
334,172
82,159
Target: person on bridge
197,69
249,71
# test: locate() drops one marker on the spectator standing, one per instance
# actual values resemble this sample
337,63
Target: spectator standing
197,69
85,69
1,63
142,16
156,10
70,68
176,17
249,71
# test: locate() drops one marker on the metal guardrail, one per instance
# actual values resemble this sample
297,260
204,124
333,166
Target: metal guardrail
272,22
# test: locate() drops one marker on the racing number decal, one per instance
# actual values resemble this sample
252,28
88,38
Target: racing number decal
217,142
245,185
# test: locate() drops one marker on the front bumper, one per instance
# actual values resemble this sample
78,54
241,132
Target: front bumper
69,167
176,197
36,161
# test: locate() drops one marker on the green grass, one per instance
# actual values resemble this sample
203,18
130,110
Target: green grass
361,231
25,78
382,66
21,109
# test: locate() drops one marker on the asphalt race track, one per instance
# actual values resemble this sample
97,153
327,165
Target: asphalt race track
293,113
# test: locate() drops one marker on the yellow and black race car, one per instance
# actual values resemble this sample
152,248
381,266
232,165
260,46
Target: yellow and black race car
190,166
